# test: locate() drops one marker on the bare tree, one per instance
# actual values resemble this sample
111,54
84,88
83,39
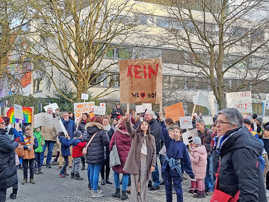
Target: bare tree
74,37
220,41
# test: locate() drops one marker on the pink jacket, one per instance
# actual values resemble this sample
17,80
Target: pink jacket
198,156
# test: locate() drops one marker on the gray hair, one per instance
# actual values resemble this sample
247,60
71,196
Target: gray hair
151,113
233,116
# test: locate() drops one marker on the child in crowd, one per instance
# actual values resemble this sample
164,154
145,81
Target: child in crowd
39,150
198,157
176,161
29,145
76,155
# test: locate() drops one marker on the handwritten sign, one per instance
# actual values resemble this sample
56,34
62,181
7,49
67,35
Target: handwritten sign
185,122
84,96
99,110
188,136
144,107
240,100
84,107
140,81
174,111
18,113
52,106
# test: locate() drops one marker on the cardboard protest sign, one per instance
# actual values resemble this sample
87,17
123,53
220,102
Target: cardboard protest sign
99,110
240,100
140,81
44,119
53,106
174,111
185,122
18,113
84,107
189,135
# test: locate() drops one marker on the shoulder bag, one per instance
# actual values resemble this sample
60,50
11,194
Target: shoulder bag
114,158
85,149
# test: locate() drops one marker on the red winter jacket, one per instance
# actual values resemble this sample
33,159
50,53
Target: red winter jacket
77,150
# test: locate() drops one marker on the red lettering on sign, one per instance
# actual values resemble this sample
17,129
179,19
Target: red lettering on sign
136,71
130,74
145,71
151,70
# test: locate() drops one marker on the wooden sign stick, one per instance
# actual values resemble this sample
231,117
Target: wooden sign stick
193,110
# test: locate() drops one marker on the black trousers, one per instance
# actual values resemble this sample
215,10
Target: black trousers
28,164
3,193
105,168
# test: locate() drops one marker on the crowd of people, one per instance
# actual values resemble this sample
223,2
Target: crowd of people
228,159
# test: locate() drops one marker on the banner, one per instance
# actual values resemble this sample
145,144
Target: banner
174,111
185,122
84,107
140,81
240,100
18,113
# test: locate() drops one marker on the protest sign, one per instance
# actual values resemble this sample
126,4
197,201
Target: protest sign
140,81
139,109
53,106
27,115
84,96
84,107
174,111
99,110
240,100
201,98
147,106
44,119
188,136
18,113
185,122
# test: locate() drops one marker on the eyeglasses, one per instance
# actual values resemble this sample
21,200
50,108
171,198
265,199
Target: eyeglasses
222,122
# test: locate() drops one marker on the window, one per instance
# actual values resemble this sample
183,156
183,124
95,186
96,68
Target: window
172,57
124,53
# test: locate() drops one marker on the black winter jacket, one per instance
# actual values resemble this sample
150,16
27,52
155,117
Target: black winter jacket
95,152
81,127
8,170
156,130
240,166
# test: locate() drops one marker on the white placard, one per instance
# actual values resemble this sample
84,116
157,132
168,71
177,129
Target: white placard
53,106
44,119
139,109
18,113
185,122
147,106
84,96
99,110
201,98
240,100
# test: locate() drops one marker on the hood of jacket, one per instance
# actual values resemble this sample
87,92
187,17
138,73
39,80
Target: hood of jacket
241,138
201,149
93,127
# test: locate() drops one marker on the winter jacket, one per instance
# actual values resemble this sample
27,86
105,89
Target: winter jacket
95,151
40,140
176,150
70,127
8,170
50,134
198,156
239,168
77,150
132,164
123,143
156,130
18,136
81,126
206,139
29,145
65,145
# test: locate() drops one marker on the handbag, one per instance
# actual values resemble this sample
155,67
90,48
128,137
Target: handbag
220,196
114,158
85,149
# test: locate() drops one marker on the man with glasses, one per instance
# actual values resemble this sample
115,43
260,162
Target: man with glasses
239,173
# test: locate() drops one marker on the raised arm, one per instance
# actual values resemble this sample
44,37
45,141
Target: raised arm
166,137
130,129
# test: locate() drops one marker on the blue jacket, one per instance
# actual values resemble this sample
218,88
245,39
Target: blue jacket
70,127
176,150
66,143
18,136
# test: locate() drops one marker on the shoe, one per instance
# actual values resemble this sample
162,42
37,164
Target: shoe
72,175
116,194
128,191
66,174
48,166
96,194
32,181
124,196
13,196
24,181
89,187
199,194
83,167
108,182
62,176
40,171
162,183
149,184
77,177
154,188
54,163
103,182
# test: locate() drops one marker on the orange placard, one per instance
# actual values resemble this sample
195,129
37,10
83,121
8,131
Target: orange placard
174,111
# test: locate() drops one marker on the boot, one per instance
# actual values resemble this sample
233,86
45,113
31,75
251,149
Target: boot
124,196
199,194
193,187
72,175
83,167
116,194
24,181
32,181
40,171
13,195
77,177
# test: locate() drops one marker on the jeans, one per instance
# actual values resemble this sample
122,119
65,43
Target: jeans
209,179
50,145
38,160
93,175
28,163
63,170
125,180
155,176
3,193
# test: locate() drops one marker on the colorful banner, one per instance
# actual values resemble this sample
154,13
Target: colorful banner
83,107
174,111
27,115
140,81
240,100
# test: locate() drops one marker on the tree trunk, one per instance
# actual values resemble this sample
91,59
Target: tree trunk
82,87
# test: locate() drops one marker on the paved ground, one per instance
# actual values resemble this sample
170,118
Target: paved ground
51,188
